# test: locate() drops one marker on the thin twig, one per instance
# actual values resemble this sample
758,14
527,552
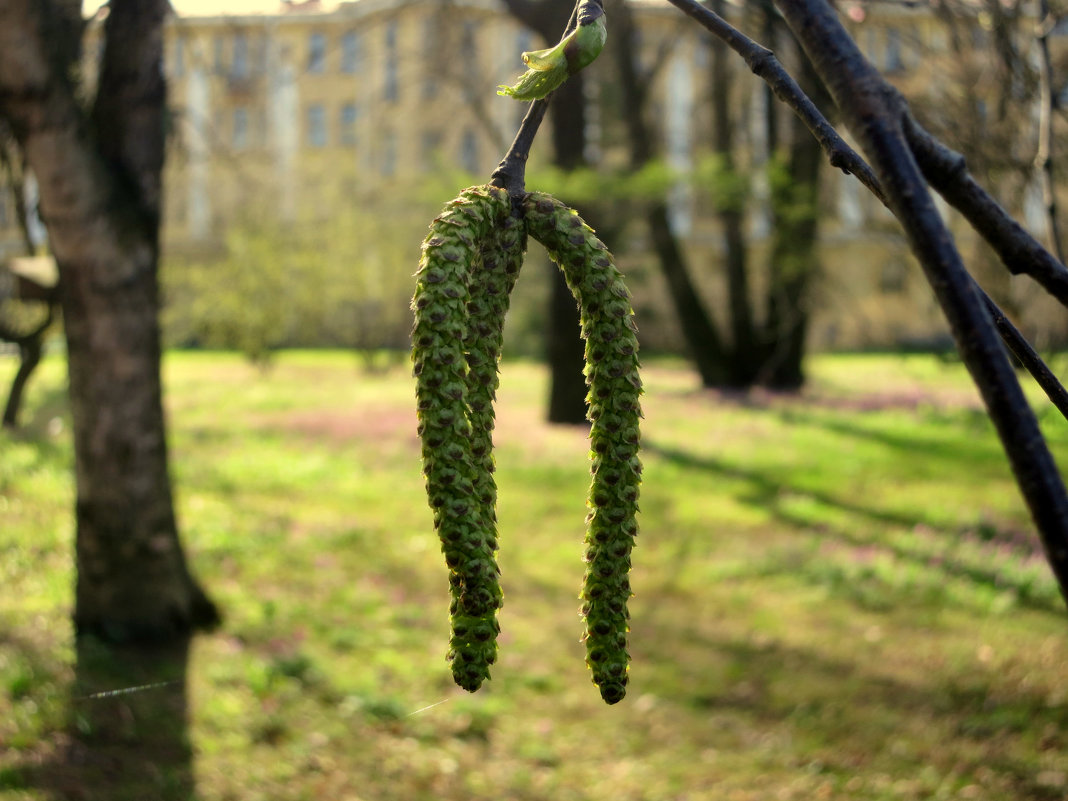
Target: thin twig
1020,252
1044,156
876,114
1028,356
767,67
510,174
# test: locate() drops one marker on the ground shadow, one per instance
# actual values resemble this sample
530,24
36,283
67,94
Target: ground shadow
767,491
852,716
128,734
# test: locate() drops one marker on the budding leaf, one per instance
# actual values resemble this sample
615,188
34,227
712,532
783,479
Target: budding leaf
551,67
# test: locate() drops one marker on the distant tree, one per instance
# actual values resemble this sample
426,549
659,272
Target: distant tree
98,168
21,324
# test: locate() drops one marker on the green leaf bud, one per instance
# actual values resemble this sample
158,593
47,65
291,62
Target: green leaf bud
549,68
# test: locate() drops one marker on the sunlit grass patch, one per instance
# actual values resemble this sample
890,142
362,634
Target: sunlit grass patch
838,595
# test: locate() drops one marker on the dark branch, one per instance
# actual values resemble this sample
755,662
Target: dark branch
511,172
1018,250
766,66
877,115
1028,356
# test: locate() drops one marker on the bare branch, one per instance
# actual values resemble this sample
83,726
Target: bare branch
766,66
1019,251
877,115
1044,156
1028,357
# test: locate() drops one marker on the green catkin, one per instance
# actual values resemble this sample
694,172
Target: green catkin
451,253
490,289
614,411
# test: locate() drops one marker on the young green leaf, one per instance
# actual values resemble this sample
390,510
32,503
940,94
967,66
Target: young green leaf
549,68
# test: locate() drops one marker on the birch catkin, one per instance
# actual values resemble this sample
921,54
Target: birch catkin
452,472
491,285
470,261
614,410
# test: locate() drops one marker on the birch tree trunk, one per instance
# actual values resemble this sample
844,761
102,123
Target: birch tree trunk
99,175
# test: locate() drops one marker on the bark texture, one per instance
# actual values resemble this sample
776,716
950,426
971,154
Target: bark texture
99,175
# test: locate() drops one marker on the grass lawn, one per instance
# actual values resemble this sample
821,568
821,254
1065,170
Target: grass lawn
837,596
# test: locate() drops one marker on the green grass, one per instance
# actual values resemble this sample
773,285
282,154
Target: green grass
837,597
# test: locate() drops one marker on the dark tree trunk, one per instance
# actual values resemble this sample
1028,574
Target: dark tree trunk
703,342
794,260
29,358
99,199
565,349
744,359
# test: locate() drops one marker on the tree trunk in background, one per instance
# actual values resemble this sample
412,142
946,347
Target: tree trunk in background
703,342
99,182
565,348
744,359
29,358
794,262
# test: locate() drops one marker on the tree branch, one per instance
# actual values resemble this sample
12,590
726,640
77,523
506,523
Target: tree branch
510,174
1028,356
130,97
1044,156
877,115
766,66
1020,252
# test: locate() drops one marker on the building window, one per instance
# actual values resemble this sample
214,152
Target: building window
431,52
431,150
239,134
893,276
350,53
220,54
317,53
259,58
469,151
388,162
239,65
390,86
350,116
316,125
178,57
894,62
469,47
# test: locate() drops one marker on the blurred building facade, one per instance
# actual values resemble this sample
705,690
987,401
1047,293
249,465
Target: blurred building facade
295,113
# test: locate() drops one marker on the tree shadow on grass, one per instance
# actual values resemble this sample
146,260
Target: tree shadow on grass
128,733
850,718
928,542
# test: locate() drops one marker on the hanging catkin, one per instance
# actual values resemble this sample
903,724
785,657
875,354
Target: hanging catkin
614,411
451,255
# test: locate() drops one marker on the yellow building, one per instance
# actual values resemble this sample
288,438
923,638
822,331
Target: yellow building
295,112
299,110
